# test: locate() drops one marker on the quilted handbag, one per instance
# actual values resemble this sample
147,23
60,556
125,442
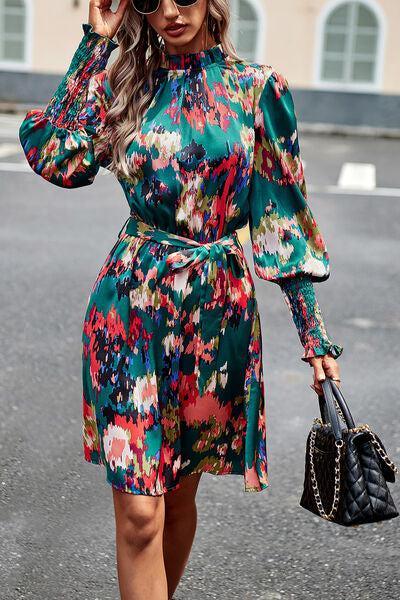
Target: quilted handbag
346,467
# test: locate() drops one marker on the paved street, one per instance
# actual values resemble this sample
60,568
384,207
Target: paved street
56,513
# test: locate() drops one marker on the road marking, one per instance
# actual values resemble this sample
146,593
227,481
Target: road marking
366,323
360,176
15,167
23,167
244,234
335,190
362,322
9,149
9,129
8,134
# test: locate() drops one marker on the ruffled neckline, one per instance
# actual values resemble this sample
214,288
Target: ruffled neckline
193,60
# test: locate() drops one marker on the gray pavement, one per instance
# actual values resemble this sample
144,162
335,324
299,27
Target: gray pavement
56,519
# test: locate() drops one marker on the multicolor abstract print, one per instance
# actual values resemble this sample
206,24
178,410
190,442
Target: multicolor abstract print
172,349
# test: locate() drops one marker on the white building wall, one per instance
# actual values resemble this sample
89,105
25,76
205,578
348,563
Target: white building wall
289,39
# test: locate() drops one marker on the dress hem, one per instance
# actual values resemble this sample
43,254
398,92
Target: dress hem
263,485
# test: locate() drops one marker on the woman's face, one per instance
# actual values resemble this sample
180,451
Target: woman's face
192,17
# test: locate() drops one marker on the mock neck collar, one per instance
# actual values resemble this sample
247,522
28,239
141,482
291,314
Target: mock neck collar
193,60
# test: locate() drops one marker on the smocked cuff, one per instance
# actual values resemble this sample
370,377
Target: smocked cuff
90,58
299,294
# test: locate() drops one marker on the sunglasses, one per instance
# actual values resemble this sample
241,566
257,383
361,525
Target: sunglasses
146,7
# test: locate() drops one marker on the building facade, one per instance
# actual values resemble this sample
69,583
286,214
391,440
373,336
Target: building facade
341,57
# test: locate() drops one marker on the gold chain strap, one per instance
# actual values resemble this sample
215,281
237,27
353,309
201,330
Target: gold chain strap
339,410
318,500
366,427
379,449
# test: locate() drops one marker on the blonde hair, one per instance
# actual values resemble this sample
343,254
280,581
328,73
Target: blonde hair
131,76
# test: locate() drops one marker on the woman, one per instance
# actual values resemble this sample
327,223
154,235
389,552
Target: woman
202,143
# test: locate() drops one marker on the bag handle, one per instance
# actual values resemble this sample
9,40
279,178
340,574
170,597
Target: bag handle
328,408
332,398
342,405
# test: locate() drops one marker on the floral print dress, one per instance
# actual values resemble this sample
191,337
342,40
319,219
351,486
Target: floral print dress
172,352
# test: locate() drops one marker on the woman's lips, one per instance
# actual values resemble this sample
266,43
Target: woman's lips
175,31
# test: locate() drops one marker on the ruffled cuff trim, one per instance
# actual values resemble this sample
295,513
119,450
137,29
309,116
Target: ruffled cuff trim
90,33
334,350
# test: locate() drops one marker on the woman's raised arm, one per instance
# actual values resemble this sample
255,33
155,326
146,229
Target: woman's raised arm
61,141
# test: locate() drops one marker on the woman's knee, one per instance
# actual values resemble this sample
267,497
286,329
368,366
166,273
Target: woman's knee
139,519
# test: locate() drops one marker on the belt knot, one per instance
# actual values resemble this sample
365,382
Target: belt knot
190,254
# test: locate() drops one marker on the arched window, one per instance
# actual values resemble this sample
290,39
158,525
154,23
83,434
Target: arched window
245,28
13,31
350,46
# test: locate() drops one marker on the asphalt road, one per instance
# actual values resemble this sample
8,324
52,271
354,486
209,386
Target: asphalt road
57,521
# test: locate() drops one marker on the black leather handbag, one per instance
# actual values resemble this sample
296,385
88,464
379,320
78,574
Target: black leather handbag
346,467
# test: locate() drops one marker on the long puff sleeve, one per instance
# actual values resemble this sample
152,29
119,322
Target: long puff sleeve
61,141
287,245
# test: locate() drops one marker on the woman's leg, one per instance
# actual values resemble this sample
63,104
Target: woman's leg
179,528
139,536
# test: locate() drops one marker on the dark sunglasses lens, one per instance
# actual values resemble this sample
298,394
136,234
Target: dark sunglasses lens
149,6
185,2
146,6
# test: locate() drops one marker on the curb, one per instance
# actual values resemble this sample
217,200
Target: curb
353,130
11,108
303,126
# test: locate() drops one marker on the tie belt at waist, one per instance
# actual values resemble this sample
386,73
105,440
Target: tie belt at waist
215,289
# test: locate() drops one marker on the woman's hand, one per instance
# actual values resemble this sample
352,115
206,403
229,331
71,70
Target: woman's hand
324,366
103,20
